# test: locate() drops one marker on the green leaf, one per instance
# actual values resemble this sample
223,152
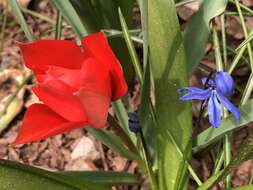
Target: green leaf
169,70
112,141
105,177
16,176
245,152
245,42
131,48
120,111
210,181
58,26
70,16
197,31
97,14
228,124
118,130
146,114
143,4
19,16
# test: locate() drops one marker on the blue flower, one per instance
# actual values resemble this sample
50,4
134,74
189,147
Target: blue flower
133,121
215,94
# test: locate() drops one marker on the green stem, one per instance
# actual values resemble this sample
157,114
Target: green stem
195,177
238,56
131,48
245,32
147,161
227,140
19,16
218,59
227,157
231,13
224,41
58,26
242,6
219,162
38,15
172,138
248,89
236,59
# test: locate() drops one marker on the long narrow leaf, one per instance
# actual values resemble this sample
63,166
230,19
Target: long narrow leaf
17,12
130,46
245,42
228,124
112,141
16,176
197,31
245,152
168,65
71,16
104,177
121,113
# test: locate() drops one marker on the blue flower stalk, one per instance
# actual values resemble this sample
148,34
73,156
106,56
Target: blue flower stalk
216,95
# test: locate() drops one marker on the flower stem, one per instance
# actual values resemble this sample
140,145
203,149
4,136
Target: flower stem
224,42
194,175
147,161
249,86
220,67
58,25
227,157
245,32
248,89
219,162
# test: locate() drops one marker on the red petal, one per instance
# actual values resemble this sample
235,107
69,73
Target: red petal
63,53
41,122
71,77
59,97
96,106
97,45
95,77
119,86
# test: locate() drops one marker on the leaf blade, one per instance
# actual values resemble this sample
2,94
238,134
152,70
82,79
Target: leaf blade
70,16
112,141
212,135
197,31
105,177
174,119
18,176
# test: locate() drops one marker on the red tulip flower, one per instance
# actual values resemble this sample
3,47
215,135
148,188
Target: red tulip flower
75,85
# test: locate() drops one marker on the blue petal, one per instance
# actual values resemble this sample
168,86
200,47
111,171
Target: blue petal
195,93
210,81
190,89
224,83
214,110
233,109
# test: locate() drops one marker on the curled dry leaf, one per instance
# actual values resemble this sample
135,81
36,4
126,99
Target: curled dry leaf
186,11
